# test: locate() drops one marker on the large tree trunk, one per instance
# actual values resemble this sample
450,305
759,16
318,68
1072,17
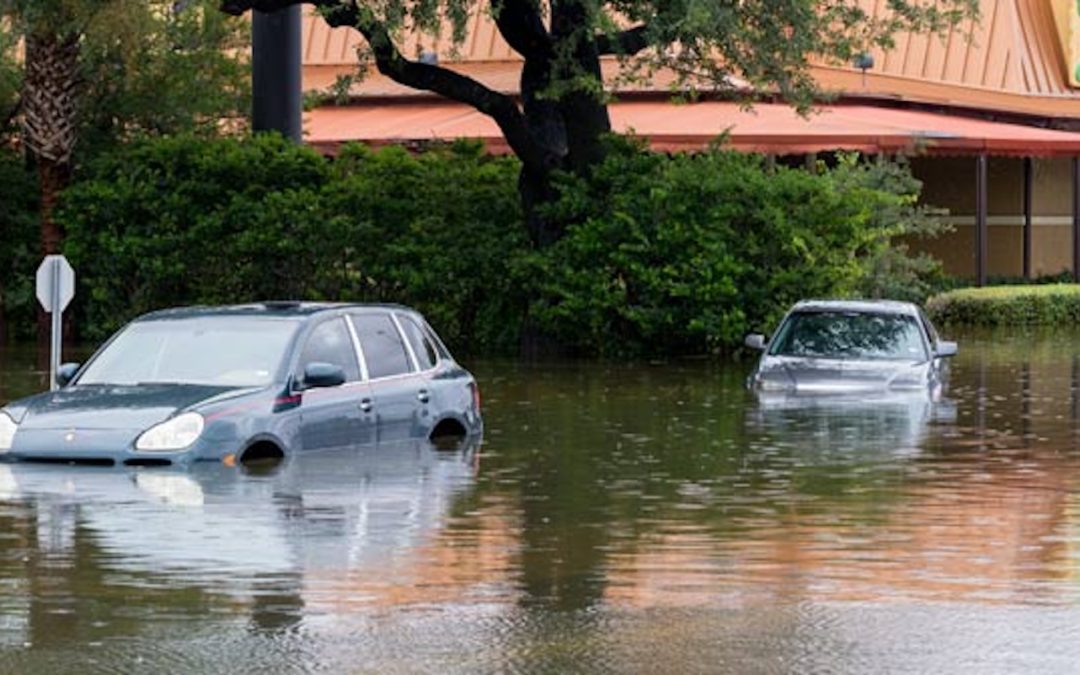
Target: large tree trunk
49,132
570,129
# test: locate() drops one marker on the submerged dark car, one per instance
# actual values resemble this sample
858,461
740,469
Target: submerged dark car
248,382
852,348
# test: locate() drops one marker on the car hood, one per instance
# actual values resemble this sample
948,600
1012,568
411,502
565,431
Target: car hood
840,376
113,406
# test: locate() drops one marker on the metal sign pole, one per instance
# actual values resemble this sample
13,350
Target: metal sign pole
57,325
54,288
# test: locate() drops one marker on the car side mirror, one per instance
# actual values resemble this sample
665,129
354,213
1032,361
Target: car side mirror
318,374
755,341
66,372
945,349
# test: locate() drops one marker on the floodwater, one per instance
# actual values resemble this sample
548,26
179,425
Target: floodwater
616,518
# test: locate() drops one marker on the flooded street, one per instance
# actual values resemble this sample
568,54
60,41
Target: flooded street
616,518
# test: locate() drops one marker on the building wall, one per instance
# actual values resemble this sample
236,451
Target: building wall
949,182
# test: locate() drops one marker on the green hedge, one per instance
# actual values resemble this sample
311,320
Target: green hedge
1042,305
663,254
685,254
183,221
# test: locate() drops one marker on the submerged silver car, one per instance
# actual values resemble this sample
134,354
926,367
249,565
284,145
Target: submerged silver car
853,348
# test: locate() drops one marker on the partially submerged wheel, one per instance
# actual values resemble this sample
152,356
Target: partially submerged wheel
448,434
262,457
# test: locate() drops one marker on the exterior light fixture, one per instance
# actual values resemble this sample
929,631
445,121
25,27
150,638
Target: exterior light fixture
864,61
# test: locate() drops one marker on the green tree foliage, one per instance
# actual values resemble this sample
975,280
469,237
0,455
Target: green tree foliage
737,48
181,220
686,254
18,245
79,76
156,68
145,66
894,271
670,255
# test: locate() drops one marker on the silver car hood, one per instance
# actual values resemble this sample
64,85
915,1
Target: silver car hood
842,376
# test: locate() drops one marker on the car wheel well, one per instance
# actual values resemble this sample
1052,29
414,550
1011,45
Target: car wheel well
448,433
262,452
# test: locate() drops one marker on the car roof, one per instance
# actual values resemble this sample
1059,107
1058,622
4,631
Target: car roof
858,306
285,309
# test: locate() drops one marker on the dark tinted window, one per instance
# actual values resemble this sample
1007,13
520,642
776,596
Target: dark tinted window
851,335
421,344
383,349
330,343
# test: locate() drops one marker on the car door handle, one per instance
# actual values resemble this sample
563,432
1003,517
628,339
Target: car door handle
423,396
366,405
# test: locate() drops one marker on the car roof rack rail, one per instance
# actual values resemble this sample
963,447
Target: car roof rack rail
281,304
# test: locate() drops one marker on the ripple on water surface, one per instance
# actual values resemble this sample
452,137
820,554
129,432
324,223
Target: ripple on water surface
617,518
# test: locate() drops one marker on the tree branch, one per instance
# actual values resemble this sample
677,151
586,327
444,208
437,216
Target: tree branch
427,77
625,43
521,26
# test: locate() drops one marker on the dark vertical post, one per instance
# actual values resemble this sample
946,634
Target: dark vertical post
980,220
275,72
1027,217
1076,217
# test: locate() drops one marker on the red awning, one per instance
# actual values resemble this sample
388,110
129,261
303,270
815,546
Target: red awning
766,128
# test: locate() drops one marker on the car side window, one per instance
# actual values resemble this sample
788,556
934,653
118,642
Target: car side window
421,344
330,343
381,342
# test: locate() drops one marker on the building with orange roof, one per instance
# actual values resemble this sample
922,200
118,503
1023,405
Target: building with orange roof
988,114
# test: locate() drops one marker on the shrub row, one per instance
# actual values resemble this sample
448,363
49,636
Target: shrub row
1035,305
662,254
186,221
687,253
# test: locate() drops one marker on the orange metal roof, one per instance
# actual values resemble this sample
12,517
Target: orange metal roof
1013,62
767,128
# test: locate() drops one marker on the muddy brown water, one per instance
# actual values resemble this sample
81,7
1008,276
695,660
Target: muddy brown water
616,518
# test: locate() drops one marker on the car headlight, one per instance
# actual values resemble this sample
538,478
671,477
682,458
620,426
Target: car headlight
175,434
8,427
775,381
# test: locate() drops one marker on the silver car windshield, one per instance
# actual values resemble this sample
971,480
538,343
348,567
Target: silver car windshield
209,350
850,335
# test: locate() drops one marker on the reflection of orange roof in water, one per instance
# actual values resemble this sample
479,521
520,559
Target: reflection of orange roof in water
1014,62
989,537
473,562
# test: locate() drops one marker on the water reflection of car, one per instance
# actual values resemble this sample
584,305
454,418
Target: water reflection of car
851,347
845,426
248,382
362,507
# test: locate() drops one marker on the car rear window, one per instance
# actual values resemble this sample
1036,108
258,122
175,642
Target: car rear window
850,335
421,344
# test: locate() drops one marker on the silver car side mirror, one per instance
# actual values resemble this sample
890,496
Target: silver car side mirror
945,349
755,341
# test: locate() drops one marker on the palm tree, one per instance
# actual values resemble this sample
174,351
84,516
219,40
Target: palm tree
49,119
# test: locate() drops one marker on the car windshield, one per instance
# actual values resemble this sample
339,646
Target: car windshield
850,335
210,350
